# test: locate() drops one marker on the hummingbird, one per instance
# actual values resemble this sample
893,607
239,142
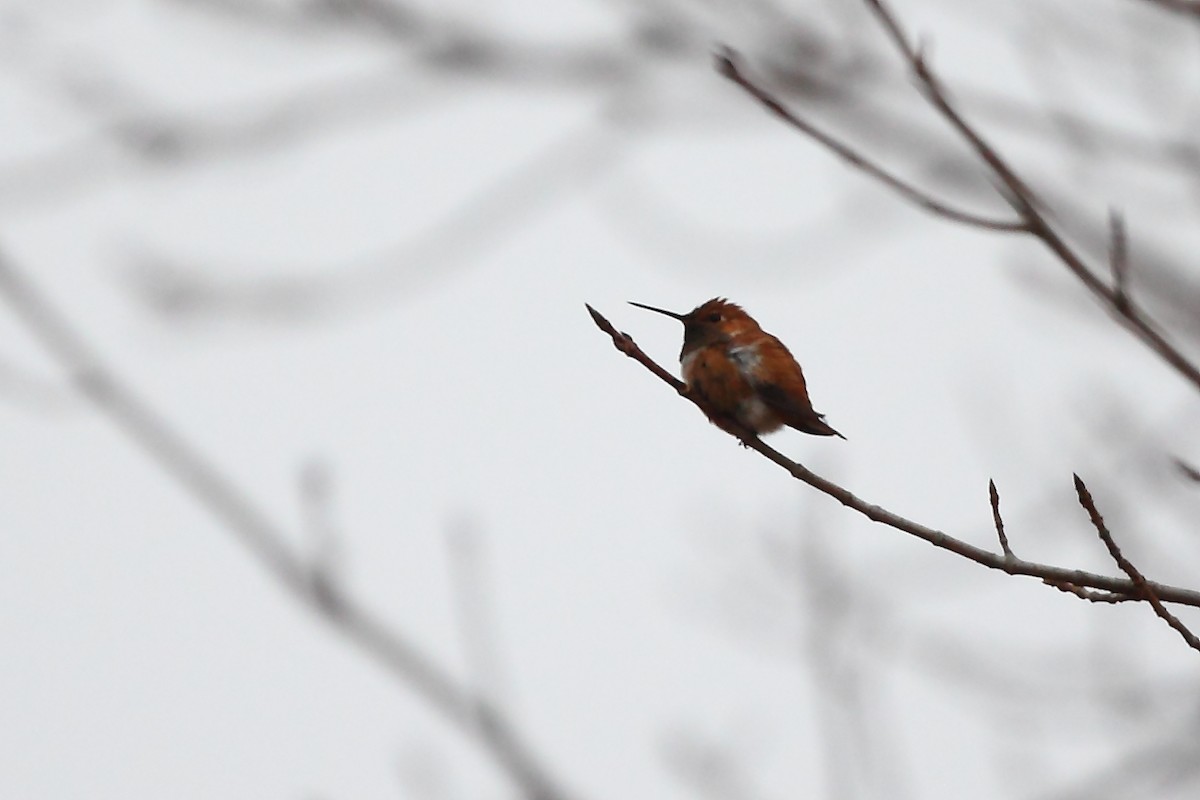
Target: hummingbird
743,373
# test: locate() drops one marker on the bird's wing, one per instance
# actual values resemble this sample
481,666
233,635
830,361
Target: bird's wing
798,415
787,395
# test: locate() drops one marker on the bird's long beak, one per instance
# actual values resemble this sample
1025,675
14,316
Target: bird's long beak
658,310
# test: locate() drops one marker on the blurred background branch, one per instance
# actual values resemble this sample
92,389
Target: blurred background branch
310,580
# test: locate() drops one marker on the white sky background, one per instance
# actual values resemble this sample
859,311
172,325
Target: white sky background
655,591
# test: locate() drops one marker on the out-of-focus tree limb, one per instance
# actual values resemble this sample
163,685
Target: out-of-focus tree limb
311,584
1180,6
496,208
1187,470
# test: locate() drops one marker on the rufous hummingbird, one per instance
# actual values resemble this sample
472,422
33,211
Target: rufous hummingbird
743,373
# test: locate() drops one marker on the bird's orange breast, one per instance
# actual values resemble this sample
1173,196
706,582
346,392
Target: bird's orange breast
717,378
724,384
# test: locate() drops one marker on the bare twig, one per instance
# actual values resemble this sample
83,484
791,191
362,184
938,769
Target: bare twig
994,498
1118,259
624,342
728,66
1024,201
1008,184
939,539
1144,587
1093,596
267,542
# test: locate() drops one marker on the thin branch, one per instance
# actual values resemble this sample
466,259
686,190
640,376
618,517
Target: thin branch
624,342
1011,187
1024,201
994,497
1118,259
1093,596
997,561
1145,588
267,541
728,66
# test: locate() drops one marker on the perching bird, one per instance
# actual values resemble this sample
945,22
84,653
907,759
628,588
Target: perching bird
743,373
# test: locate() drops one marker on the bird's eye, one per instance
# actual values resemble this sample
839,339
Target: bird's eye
714,317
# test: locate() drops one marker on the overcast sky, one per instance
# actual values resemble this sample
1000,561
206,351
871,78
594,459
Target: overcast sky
346,248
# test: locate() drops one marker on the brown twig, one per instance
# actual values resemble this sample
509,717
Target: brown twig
267,541
1145,588
1093,596
998,561
727,65
994,498
1008,184
625,343
1118,259
1024,201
